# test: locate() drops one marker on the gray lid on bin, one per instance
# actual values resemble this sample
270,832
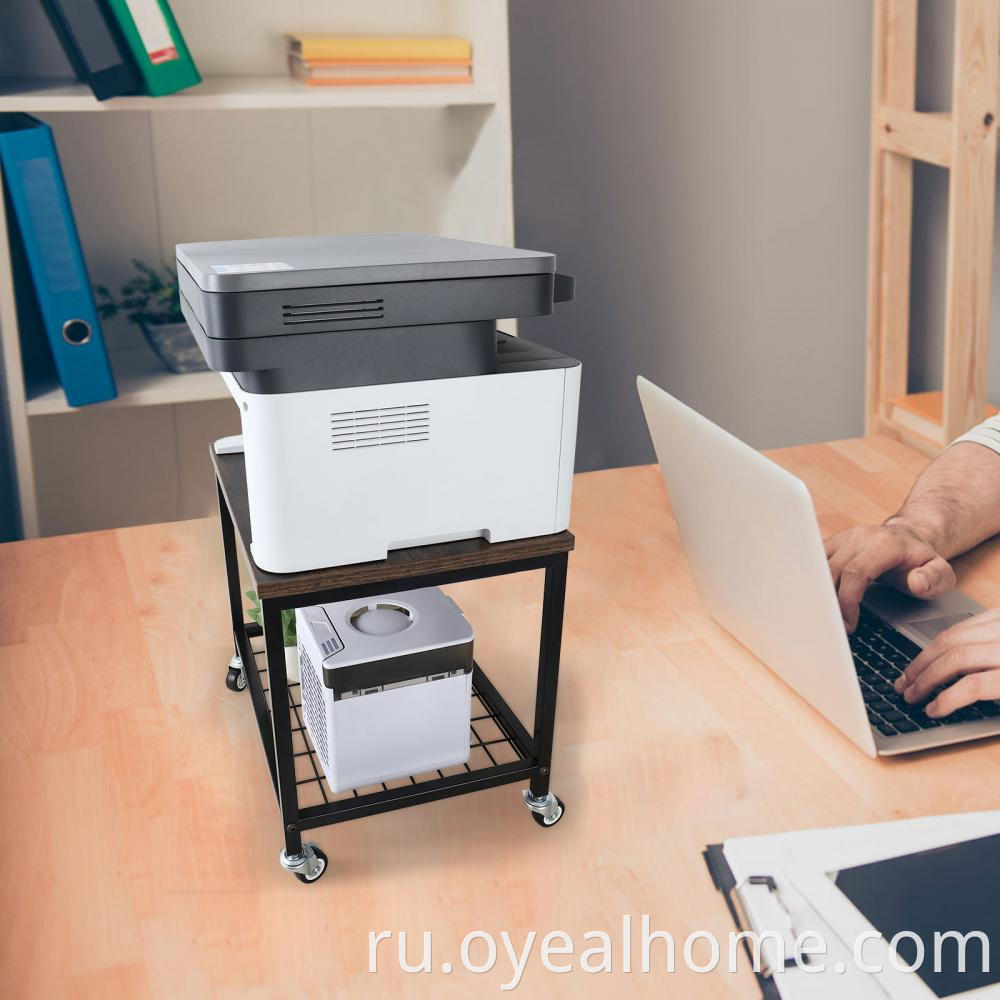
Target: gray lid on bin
301,262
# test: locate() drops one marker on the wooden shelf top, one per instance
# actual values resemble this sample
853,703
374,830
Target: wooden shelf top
43,94
401,563
142,381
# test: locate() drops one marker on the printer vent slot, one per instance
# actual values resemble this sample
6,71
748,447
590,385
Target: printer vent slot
332,312
314,706
376,428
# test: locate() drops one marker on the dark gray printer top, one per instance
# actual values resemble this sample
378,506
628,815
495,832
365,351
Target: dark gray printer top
301,262
293,314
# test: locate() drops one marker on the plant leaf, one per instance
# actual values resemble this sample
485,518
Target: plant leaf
288,628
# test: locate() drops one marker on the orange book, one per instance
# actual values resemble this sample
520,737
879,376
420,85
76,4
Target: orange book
351,73
314,63
373,81
387,48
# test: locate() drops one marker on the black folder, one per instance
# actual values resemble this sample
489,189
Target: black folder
94,45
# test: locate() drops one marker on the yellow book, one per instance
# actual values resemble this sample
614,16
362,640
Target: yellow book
379,47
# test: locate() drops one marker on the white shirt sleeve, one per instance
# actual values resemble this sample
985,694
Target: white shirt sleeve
987,434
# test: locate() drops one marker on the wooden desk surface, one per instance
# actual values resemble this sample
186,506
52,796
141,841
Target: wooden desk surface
140,836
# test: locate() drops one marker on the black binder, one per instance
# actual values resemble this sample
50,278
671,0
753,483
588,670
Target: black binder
94,46
722,878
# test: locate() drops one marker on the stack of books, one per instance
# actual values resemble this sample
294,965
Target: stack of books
357,60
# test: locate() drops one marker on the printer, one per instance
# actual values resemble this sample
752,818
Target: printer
380,406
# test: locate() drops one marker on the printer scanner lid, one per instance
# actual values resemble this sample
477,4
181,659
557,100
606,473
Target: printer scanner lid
299,262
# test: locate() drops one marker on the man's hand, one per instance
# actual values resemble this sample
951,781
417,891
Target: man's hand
967,654
892,553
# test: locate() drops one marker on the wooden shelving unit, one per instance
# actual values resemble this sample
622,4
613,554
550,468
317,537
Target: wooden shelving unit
964,142
249,152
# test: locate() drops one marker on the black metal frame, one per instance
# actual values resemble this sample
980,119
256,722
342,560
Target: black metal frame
533,750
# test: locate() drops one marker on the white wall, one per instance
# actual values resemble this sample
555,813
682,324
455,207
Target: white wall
702,168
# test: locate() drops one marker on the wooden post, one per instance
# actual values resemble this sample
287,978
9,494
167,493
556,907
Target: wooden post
890,210
971,190
964,142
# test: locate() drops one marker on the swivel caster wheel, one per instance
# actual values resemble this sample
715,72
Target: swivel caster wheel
307,866
236,679
545,811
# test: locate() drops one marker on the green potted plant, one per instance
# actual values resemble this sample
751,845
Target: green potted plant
287,635
151,301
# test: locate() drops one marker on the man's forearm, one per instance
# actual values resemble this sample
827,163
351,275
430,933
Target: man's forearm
955,504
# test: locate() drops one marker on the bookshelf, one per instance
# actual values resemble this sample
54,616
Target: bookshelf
40,96
141,381
249,152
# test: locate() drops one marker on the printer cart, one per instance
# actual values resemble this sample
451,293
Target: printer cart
503,750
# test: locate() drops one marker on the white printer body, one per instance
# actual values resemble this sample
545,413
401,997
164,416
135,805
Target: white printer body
338,476
480,441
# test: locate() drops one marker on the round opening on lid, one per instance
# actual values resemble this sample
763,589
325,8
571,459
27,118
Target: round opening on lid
381,619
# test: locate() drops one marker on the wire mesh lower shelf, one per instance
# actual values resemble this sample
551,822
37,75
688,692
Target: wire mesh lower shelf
494,748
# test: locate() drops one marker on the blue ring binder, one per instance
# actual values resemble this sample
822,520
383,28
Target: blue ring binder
43,219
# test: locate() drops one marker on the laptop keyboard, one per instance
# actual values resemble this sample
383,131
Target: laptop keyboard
881,654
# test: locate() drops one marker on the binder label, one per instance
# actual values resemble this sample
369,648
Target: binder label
153,30
271,265
58,258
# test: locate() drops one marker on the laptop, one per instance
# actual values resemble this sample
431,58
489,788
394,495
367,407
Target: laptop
755,550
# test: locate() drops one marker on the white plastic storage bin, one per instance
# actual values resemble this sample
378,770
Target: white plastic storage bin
386,685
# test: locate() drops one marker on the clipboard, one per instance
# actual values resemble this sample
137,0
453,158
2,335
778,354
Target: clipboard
724,881
804,866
